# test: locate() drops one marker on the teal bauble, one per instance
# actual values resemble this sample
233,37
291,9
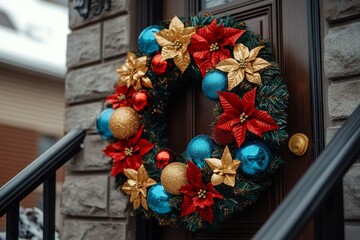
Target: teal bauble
213,82
147,42
102,123
158,200
199,148
255,157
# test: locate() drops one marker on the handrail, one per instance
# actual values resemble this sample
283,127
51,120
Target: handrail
41,170
316,184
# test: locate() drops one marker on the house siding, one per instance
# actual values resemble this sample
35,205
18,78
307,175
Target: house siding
341,61
23,94
31,113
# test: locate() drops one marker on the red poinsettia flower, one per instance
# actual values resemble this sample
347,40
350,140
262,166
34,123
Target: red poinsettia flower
128,153
241,115
207,45
121,98
198,197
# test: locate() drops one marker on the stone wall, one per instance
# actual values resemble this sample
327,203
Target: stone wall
341,61
92,208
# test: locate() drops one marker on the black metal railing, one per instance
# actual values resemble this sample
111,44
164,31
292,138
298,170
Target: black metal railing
42,170
316,186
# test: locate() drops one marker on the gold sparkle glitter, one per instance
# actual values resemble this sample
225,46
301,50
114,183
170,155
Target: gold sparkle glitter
124,122
173,177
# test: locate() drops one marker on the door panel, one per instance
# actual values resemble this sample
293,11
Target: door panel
259,16
284,24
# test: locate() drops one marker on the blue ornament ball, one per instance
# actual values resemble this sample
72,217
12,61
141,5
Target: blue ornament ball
147,42
255,157
212,82
199,148
158,200
102,123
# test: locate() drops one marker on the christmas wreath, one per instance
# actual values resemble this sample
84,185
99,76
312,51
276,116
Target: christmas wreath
218,174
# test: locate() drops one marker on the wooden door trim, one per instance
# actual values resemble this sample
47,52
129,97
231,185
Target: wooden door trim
148,12
315,77
324,222
257,8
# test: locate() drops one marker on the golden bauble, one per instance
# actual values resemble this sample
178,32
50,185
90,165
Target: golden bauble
124,122
173,177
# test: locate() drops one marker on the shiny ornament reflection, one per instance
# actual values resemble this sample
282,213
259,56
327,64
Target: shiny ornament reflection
159,67
199,148
163,158
213,82
147,42
140,100
255,157
158,199
102,123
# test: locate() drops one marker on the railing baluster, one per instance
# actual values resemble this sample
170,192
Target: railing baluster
49,207
330,215
38,171
12,222
41,170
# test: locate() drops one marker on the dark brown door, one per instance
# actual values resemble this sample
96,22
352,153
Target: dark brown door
284,24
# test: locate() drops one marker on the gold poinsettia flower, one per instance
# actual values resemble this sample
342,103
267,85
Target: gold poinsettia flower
245,64
224,169
136,186
132,73
174,42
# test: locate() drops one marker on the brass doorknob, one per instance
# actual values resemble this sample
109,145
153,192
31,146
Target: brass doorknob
298,144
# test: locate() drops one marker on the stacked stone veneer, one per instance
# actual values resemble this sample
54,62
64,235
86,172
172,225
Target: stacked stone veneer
96,47
342,71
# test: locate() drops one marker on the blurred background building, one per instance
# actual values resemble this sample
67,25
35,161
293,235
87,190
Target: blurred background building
32,71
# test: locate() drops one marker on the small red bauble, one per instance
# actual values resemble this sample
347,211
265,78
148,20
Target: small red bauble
163,158
140,100
159,67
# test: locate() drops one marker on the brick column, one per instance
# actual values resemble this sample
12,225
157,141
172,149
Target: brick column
342,70
92,208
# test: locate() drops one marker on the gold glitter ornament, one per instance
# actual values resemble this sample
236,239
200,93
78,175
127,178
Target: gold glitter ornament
173,177
124,122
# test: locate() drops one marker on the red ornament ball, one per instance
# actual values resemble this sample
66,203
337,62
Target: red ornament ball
159,67
163,158
140,100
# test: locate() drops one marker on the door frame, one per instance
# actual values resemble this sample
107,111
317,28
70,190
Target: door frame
147,14
327,225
